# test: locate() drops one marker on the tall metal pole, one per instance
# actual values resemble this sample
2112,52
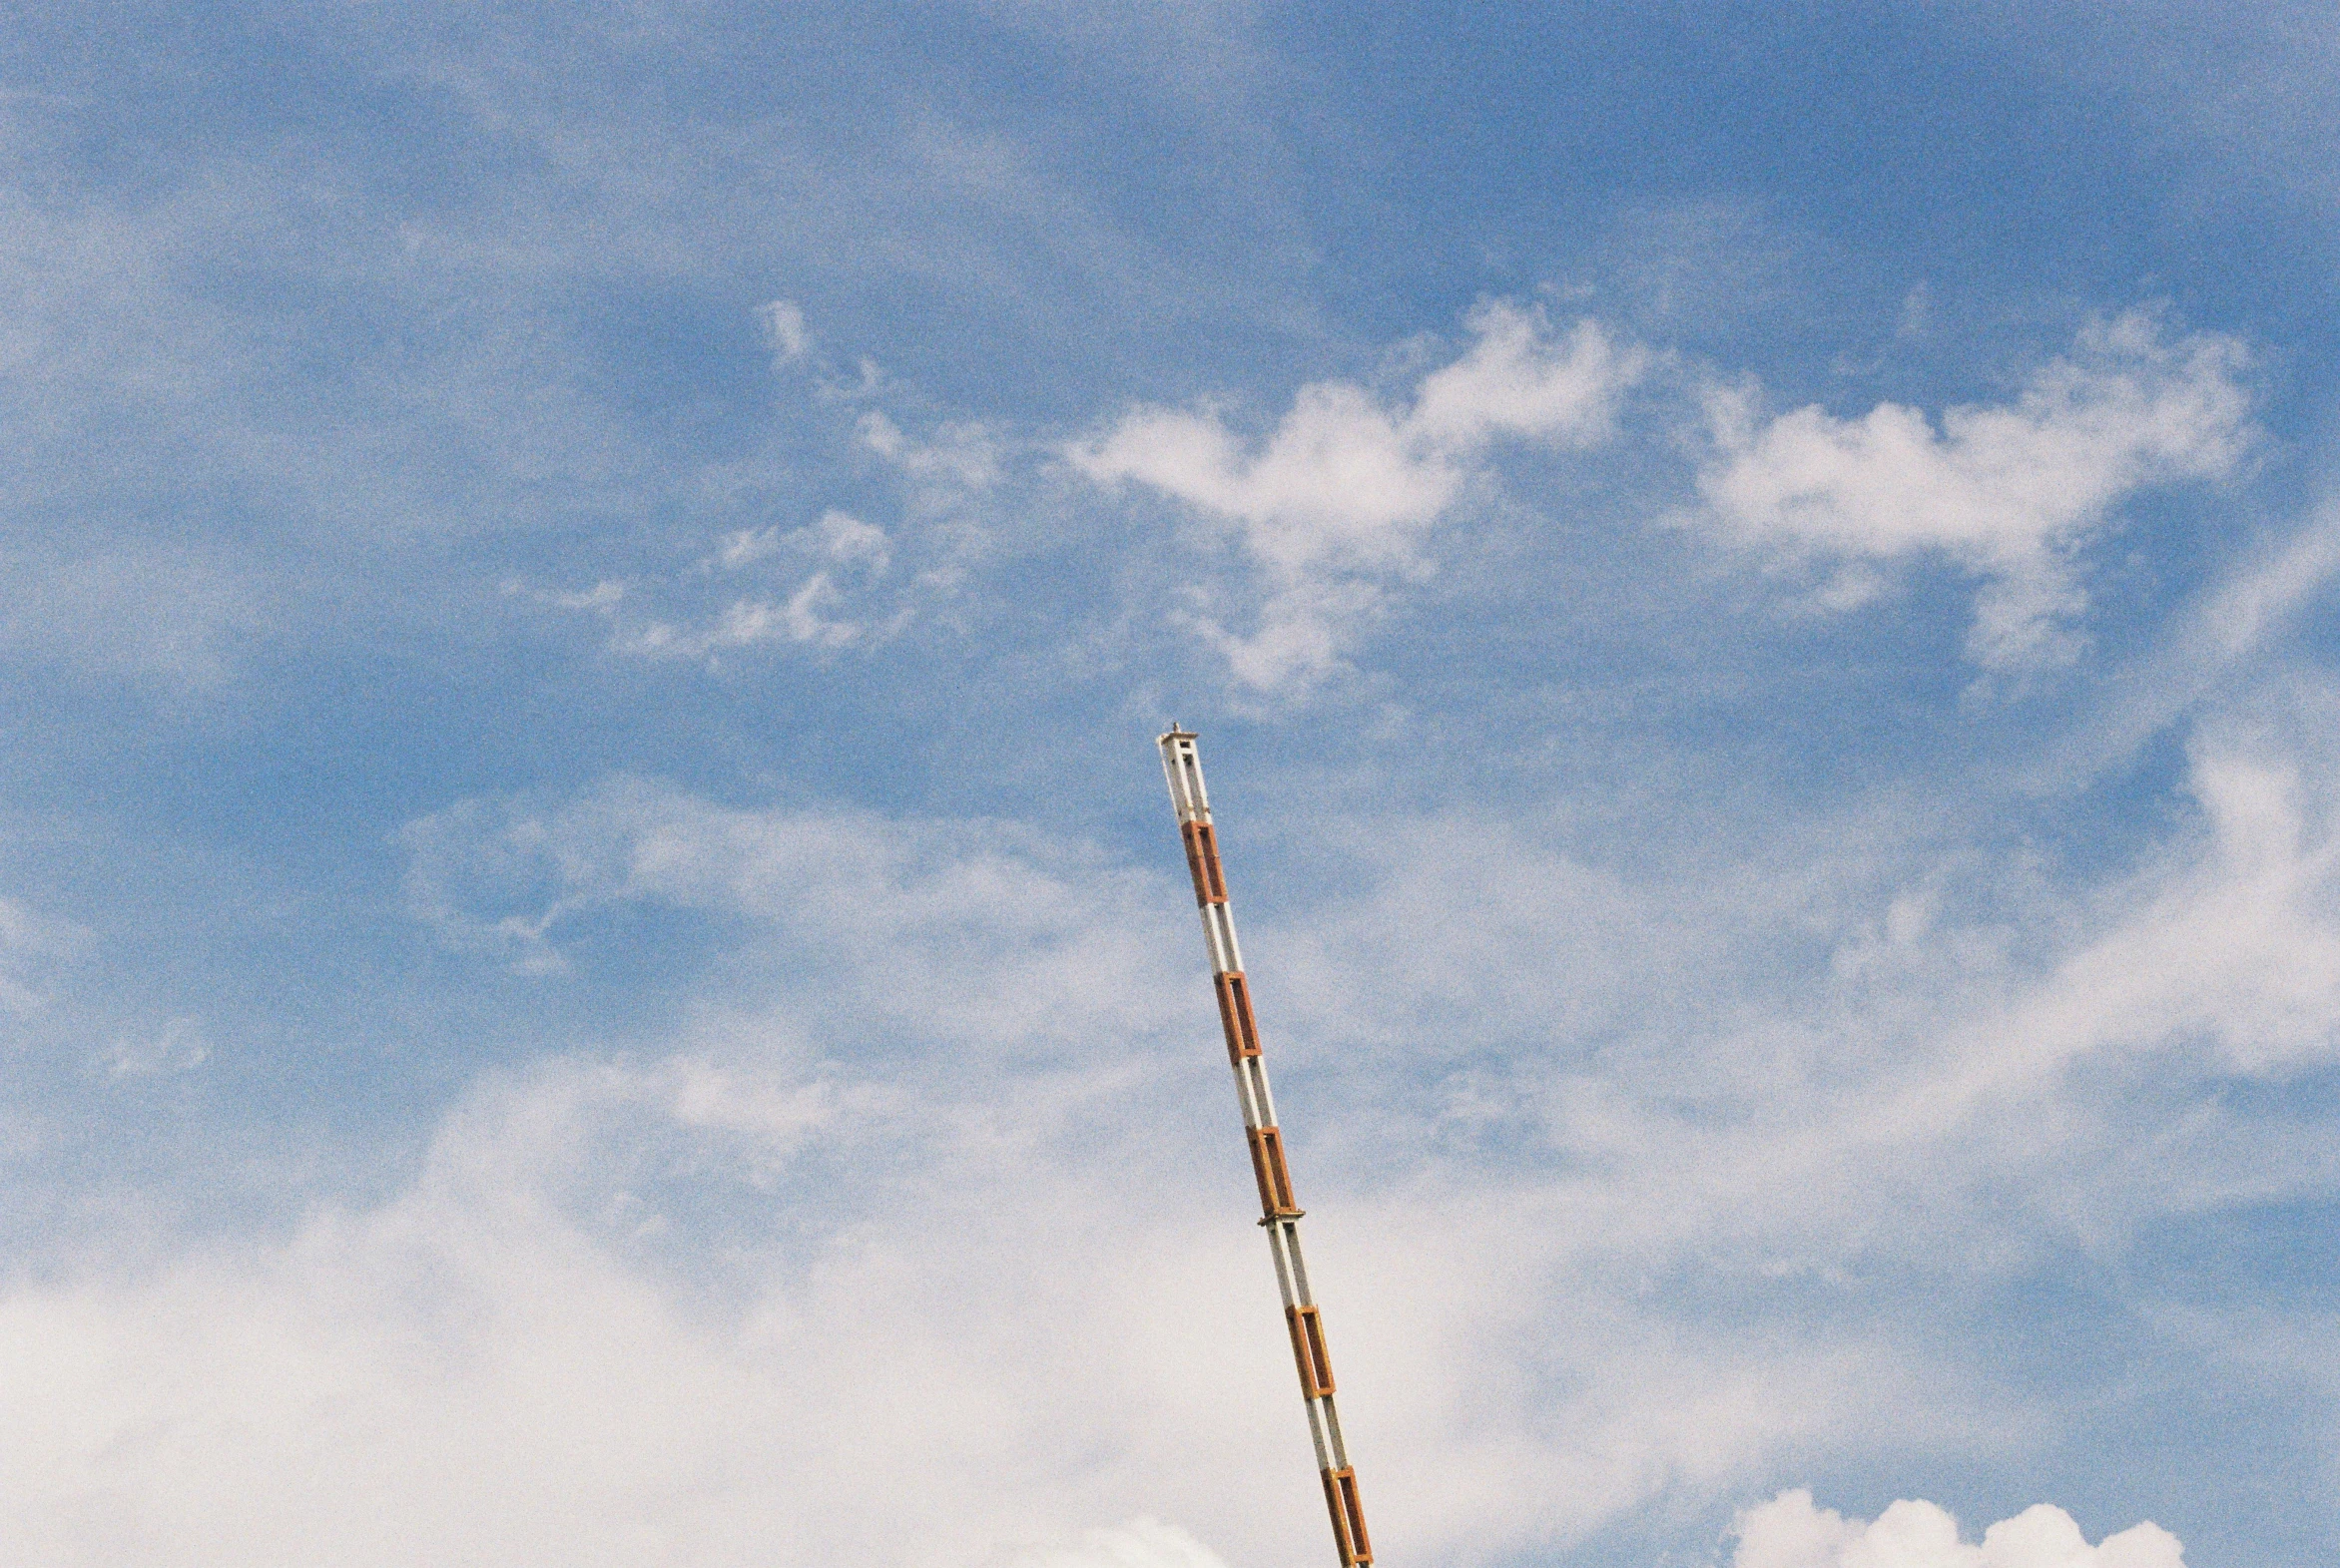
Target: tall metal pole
1281,1214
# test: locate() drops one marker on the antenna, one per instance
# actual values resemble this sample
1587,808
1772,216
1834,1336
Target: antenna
1281,1214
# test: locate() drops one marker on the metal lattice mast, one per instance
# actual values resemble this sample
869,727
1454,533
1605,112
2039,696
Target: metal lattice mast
1281,1214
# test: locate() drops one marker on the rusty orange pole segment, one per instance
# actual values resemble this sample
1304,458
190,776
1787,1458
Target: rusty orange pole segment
1279,1212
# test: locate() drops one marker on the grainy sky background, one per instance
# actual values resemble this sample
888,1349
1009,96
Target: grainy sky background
593,963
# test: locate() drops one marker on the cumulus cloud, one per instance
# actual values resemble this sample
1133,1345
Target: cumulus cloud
1790,1532
1331,506
2007,492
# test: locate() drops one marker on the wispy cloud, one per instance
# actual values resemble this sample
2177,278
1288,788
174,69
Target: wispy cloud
33,947
823,611
962,458
179,1046
785,332
2227,633
832,594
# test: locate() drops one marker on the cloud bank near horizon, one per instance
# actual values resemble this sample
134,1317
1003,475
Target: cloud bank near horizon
897,1099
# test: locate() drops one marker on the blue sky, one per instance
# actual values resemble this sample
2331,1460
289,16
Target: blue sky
593,961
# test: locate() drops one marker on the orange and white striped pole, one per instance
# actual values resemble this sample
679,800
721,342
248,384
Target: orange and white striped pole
1280,1213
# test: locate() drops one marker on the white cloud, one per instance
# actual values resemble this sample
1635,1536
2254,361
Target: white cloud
501,1364
602,596
963,456
683,1305
178,1046
1789,1532
1333,505
969,957
2243,951
774,1293
473,1372
1142,1543
836,536
846,539
2008,492
818,612
781,323
806,618
1798,1053
32,946
1056,931
723,1310
1518,381
747,546
2225,632
2224,956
